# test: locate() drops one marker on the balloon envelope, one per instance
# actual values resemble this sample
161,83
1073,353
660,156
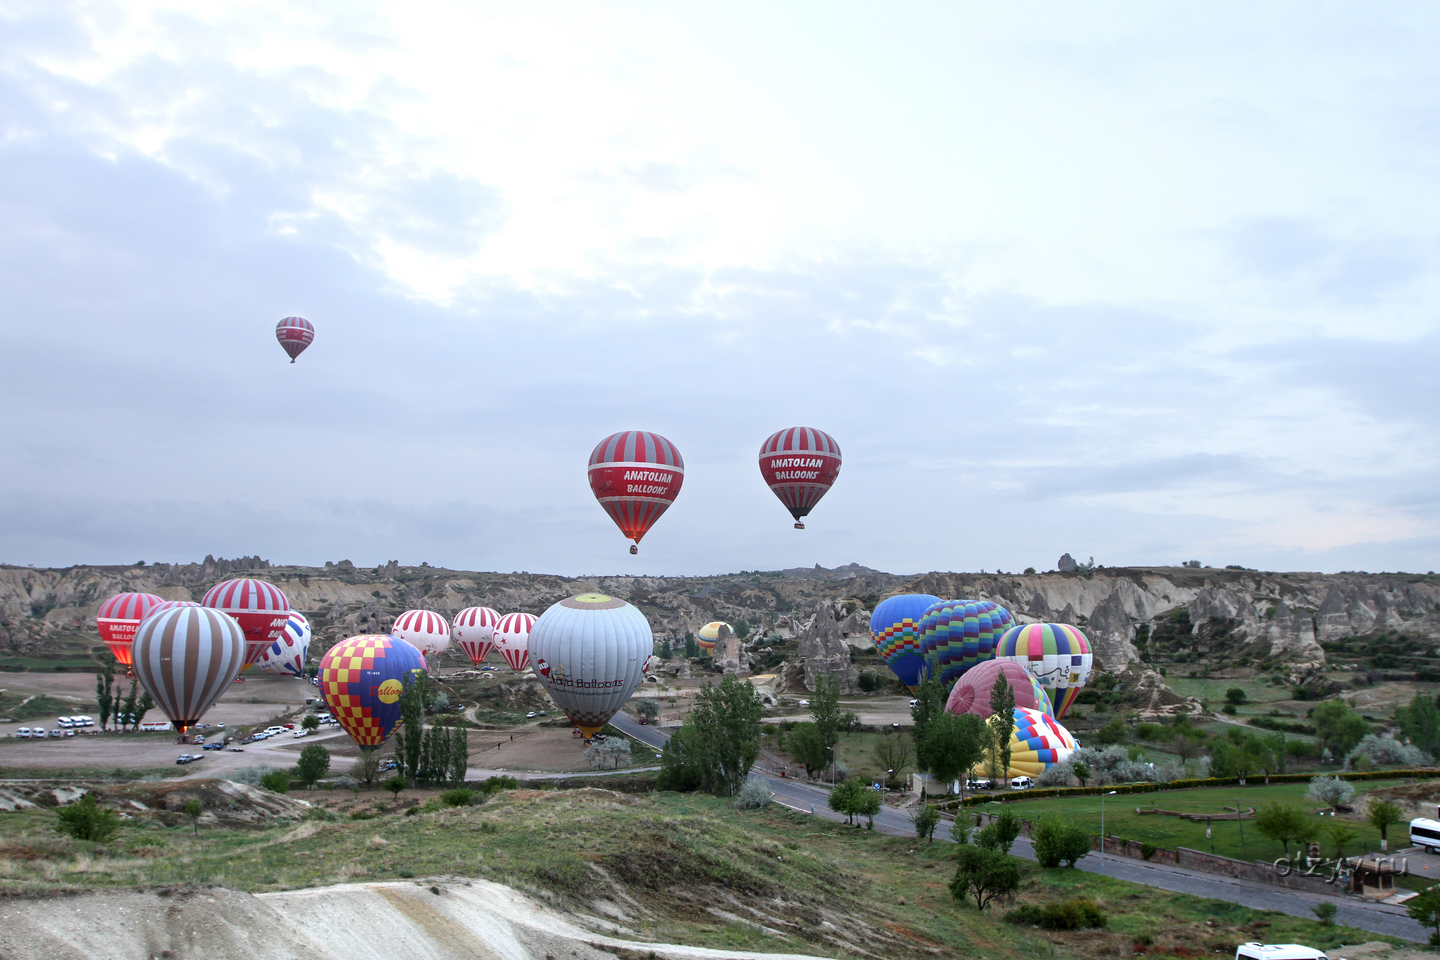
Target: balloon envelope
118,619
713,632
294,334
955,635
361,680
186,657
635,475
1037,742
286,656
512,639
799,465
589,653
971,693
424,630
1056,654
894,628
474,629
260,608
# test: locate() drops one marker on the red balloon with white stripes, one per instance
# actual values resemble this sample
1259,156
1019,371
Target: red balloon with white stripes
186,657
800,464
474,629
512,639
294,334
260,608
636,475
425,630
119,616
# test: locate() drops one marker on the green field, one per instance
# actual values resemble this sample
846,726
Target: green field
1121,820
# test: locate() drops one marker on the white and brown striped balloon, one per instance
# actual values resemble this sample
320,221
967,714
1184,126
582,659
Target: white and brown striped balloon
187,657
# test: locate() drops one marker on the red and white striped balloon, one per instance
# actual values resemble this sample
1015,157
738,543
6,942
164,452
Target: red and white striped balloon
118,618
512,639
260,608
187,657
294,334
425,630
174,605
474,629
800,465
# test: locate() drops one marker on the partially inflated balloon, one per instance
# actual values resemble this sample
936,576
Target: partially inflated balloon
1037,741
424,630
119,617
800,465
894,628
712,633
635,475
1057,656
260,608
474,629
955,635
294,334
971,693
512,639
361,680
286,656
589,652
174,605
186,657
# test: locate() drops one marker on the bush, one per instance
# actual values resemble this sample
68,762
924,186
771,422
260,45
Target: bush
1325,912
1331,791
460,797
1235,696
1147,850
752,796
999,834
395,784
497,783
345,782
85,819
250,775
1059,840
1385,752
983,874
926,818
1076,914
276,781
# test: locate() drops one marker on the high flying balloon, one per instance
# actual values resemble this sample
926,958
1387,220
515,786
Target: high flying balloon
474,629
589,653
894,626
260,608
955,635
1057,656
424,630
800,465
361,680
635,475
286,656
294,334
186,657
971,693
118,619
512,639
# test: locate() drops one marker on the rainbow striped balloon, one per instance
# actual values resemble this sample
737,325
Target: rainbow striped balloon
1057,656
1038,742
894,626
956,635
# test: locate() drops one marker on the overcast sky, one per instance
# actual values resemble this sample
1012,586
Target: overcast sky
1148,282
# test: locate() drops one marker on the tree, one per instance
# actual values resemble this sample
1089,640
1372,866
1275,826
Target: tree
929,703
1000,833
313,764
692,648
825,710
953,744
925,818
1339,833
1424,909
682,764
395,784
367,767
1235,696
983,874
276,781
848,798
193,809
666,651
806,748
1082,772
1325,913
1284,823
85,819
104,686
1383,815
1113,732
1331,791
649,709
410,731
1001,725
311,722
1185,747
725,738
131,707
459,754
1338,727
1421,723
869,805
1059,840
892,751
609,754
742,628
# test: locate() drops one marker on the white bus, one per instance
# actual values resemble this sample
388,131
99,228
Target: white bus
156,726
1425,833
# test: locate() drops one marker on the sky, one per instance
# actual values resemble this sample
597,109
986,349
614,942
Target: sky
1134,281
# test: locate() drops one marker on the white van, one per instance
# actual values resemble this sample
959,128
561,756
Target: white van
84,721
1021,783
37,732
65,723
1277,951
1425,833
23,733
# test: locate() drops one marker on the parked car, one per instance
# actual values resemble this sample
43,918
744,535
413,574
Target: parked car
530,715
185,758
1021,783
214,746
804,703
542,713
237,749
63,722
85,720
980,784
37,733
302,732
388,765
23,733
1277,951
914,704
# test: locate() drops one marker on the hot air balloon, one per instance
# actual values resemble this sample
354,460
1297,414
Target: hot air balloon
174,605
260,608
893,627
294,334
474,629
1037,741
800,465
512,639
588,652
361,680
424,630
119,616
971,693
286,656
1057,656
186,657
955,635
636,476
713,632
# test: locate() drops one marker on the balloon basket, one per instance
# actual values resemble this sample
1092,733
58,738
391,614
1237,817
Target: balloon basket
634,548
799,525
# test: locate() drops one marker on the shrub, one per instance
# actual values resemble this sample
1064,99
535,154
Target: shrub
1147,850
984,874
395,784
752,796
1059,840
497,783
1325,912
85,819
926,818
1076,914
1386,752
999,834
276,781
250,775
460,797
1331,791
346,782
313,764
1236,696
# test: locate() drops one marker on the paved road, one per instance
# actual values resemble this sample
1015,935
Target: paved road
1375,917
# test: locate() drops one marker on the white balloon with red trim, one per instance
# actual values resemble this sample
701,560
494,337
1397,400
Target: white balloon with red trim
425,630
